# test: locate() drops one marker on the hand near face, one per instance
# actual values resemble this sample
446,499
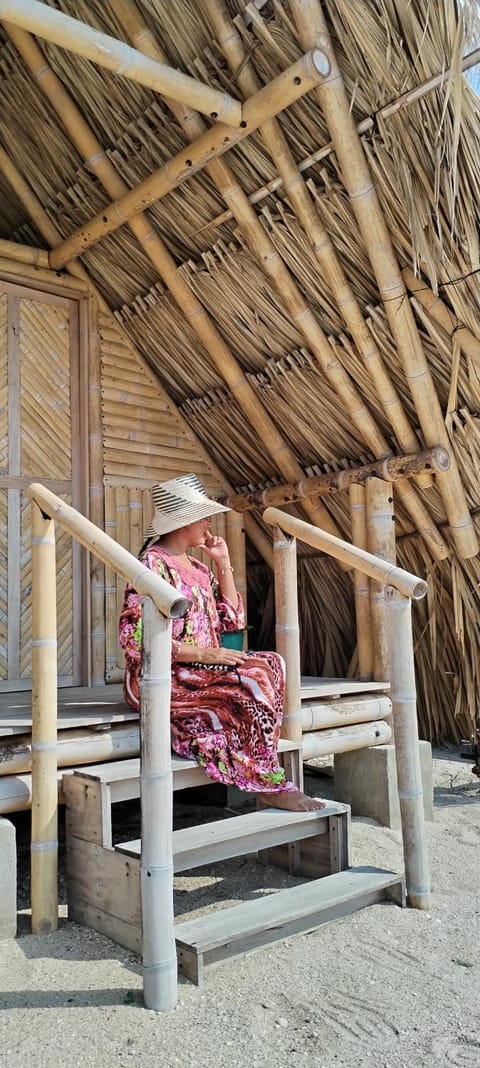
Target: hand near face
217,549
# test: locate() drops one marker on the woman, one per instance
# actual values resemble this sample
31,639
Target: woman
226,705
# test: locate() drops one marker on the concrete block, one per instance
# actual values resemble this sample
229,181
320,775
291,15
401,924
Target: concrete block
8,880
366,779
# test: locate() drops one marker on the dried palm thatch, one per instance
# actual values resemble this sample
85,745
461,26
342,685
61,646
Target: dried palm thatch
425,162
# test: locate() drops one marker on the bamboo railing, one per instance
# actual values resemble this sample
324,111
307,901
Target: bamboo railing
160,603
401,588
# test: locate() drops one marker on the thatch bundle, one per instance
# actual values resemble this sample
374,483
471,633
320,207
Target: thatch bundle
424,158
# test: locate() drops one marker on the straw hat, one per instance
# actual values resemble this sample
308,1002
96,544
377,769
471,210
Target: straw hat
178,502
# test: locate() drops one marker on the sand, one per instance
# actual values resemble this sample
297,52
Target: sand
386,987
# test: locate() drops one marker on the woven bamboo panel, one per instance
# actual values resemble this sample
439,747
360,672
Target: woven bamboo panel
64,595
3,584
45,399
144,441
3,385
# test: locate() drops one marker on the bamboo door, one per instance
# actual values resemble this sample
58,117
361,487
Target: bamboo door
40,441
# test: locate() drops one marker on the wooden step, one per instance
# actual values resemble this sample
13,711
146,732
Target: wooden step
212,842
254,924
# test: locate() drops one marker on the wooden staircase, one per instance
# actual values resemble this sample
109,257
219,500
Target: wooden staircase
104,879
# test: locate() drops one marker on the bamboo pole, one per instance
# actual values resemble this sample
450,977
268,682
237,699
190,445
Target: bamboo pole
88,746
344,712
156,794
409,778
235,537
51,235
269,260
198,319
390,470
380,542
279,94
44,843
40,276
96,496
442,314
361,585
287,633
11,250
67,32
146,582
345,739
381,570
304,207
356,175
401,102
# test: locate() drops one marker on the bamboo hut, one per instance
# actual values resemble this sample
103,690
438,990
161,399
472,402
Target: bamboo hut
249,250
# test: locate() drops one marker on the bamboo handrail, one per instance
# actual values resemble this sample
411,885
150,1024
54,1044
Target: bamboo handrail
282,91
146,582
373,566
106,51
358,182
407,98
390,470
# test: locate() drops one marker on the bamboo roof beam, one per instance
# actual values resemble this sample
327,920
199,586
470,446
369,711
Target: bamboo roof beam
51,235
271,263
331,268
442,314
366,124
282,91
391,470
358,182
81,135
67,32
11,250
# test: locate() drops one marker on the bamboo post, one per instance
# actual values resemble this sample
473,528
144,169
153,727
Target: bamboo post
361,585
323,248
51,235
381,542
287,632
403,695
74,35
198,319
44,844
95,456
156,792
111,619
356,175
235,534
277,95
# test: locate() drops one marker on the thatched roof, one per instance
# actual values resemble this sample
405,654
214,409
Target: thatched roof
424,159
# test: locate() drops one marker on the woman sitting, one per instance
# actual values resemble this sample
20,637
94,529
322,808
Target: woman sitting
226,705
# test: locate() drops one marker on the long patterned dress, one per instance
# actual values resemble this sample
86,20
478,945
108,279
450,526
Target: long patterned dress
227,718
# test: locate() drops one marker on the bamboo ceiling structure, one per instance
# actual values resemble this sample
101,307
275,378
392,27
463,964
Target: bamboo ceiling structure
298,268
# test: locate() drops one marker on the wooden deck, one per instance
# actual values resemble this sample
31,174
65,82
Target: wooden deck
84,706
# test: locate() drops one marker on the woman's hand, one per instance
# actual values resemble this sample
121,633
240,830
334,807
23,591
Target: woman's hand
217,550
189,654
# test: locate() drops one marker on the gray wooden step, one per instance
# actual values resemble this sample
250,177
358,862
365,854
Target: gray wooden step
327,688
212,842
254,924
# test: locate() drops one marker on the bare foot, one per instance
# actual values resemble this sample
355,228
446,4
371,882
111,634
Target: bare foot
293,802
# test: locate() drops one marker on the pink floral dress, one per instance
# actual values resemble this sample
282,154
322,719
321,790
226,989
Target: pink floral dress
227,718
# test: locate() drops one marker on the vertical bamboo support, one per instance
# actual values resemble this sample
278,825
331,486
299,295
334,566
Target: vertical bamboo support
381,542
44,844
111,619
361,584
95,452
235,530
409,778
156,792
287,631
135,509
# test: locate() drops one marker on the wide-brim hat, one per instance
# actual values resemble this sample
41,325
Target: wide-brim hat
179,502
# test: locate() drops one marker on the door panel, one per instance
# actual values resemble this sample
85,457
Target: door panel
39,371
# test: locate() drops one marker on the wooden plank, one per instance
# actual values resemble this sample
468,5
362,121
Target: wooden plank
89,811
125,934
323,687
212,842
104,879
298,910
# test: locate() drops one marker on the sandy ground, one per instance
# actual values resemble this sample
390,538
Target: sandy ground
386,987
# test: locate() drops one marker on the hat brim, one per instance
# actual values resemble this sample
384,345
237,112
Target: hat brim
189,513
